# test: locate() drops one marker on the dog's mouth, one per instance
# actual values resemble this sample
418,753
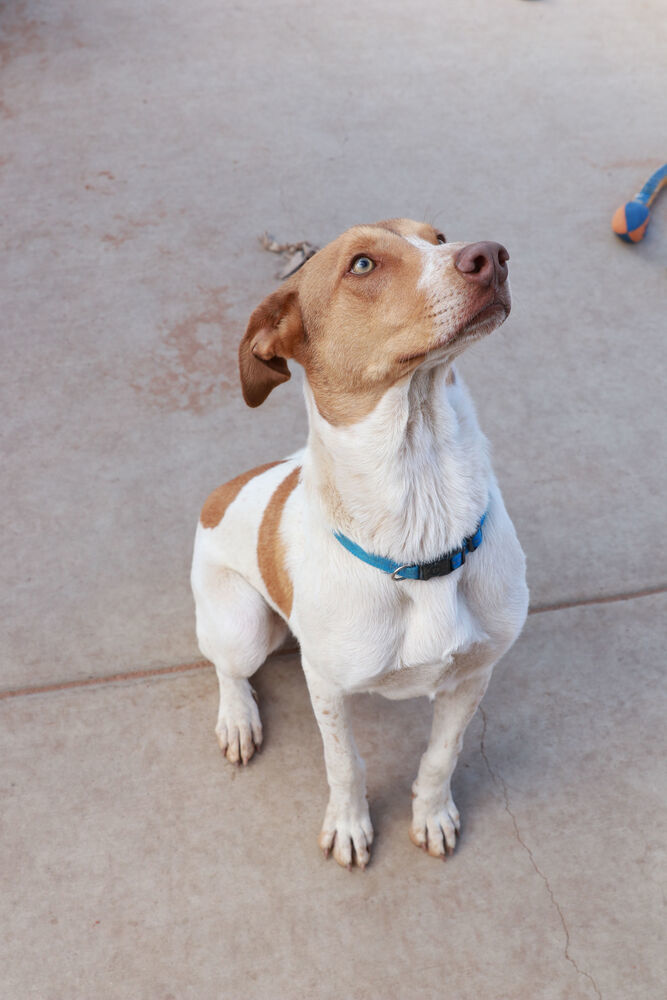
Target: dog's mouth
480,324
485,320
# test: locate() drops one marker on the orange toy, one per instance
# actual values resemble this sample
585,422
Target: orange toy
630,220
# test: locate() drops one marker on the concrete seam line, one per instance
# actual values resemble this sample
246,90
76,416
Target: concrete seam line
287,650
539,609
130,675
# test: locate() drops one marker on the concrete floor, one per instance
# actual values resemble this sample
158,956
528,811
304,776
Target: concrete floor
143,149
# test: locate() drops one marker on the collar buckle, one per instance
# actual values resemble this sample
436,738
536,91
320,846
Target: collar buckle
422,571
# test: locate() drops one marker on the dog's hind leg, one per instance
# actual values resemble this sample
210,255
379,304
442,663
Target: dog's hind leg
236,630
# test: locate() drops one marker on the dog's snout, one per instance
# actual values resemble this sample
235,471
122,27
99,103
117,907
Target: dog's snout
484,263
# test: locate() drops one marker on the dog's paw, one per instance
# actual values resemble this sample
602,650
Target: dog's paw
435,829
239,729
347,833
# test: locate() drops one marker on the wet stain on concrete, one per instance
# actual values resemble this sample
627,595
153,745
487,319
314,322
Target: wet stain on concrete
22,34
19,33
128,228
195,362
102,183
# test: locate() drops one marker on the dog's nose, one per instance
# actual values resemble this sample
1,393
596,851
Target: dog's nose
484,263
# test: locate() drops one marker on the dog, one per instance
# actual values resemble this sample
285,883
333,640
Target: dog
383,545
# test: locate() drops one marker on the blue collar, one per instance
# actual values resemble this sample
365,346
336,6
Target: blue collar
424,571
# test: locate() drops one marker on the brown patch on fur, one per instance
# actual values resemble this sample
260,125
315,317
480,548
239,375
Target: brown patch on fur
273,334
195,360
408,227
370,322
356,335
451,377
338,325
270,547
219,500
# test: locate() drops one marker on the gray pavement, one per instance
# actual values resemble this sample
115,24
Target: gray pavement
143,149
143,865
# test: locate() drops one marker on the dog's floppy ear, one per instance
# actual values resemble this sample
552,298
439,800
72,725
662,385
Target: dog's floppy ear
274,333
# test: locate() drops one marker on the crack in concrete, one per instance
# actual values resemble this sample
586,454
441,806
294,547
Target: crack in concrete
500,783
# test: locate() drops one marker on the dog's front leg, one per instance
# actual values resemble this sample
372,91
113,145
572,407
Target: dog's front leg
435,818
347,830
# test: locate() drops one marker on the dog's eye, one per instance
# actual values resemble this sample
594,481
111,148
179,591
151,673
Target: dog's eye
441,238
362,265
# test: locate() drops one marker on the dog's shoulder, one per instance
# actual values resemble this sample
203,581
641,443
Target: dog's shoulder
264,481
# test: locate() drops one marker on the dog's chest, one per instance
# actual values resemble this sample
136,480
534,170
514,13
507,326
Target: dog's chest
434,637
402,642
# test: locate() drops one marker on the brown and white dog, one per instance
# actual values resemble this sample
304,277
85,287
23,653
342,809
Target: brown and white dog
396,463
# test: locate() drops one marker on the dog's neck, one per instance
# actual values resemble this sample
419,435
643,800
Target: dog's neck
410,480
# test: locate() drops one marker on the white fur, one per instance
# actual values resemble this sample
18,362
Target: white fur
410,482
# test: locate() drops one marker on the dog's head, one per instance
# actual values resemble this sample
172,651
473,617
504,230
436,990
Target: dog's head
369,309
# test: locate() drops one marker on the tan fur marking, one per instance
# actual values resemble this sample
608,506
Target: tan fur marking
357,335
408,227
270,548
360,327
217,503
